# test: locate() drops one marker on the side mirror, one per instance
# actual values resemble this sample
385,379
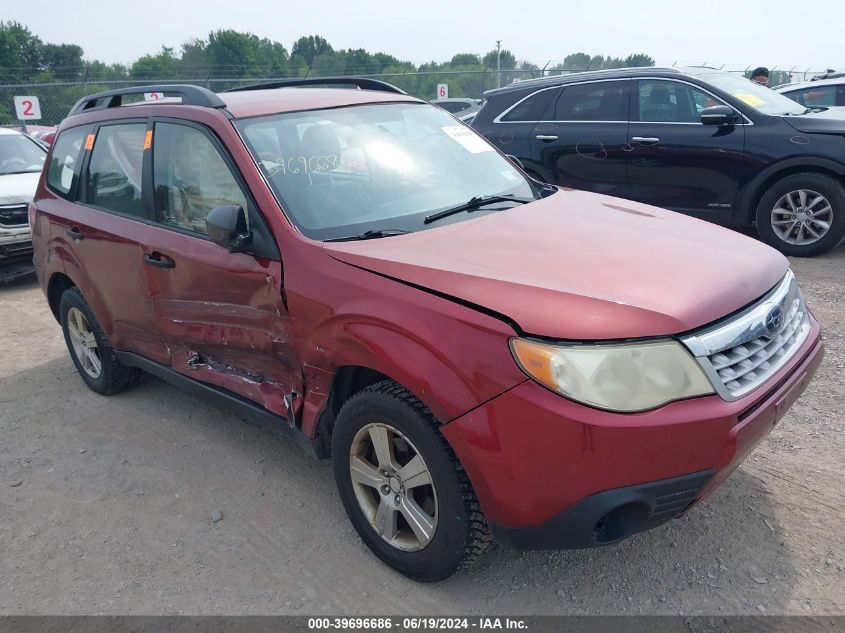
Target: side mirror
226,226
718,115
515,161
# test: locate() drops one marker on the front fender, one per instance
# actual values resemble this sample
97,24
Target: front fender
451,357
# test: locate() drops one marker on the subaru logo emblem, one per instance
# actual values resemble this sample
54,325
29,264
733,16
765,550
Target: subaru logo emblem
774,320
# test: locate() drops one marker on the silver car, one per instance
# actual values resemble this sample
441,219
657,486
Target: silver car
824,93
21,160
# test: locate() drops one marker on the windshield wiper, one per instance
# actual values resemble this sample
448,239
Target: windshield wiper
372,234
476,202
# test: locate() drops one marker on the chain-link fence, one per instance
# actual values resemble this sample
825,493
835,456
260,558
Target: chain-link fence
57,97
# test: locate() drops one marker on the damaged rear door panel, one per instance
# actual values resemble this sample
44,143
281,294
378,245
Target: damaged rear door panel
221,313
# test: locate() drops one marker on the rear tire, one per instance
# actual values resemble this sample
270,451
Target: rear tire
454,530
89,348
803,215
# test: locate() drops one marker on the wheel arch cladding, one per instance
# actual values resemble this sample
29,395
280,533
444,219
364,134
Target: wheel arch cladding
357,350
56,287
758,187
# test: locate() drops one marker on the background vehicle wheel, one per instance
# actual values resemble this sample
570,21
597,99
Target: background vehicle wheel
402,486
803,214
90,350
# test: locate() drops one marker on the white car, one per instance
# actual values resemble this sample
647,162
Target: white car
824,93
21,160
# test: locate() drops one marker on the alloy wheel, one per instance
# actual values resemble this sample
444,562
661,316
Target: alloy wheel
802,217
84,343
393,486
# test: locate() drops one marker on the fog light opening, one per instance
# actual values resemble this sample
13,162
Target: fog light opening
620,523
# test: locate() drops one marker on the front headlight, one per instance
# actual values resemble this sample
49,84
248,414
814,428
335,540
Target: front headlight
620,377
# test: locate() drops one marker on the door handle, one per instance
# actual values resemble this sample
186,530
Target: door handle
546,138
158,260
75,234
645,140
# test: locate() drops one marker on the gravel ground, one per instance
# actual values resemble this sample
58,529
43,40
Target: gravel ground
153,502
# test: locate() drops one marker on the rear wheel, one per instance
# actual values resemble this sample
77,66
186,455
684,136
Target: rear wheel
803,214
402,486
90,349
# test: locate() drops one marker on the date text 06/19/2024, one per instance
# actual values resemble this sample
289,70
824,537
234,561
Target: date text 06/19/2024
417,623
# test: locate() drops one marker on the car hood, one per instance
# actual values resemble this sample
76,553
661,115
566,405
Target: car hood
18,188
583,266
830,121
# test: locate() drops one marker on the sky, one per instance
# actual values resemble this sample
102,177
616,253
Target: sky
736,33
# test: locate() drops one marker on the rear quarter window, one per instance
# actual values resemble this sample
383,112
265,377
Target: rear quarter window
531,108
62,172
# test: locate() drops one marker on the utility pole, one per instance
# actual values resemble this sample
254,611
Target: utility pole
498,63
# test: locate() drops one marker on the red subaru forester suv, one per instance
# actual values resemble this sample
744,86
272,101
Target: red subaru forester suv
482,356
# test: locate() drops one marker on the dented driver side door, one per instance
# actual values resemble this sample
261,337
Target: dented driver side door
221,313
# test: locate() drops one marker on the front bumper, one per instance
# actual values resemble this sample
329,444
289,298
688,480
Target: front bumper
551,473
15,254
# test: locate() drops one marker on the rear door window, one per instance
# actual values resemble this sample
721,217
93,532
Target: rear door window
596,101
114,170
62,172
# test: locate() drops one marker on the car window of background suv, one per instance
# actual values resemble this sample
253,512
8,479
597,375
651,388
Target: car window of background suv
114,171
666,101
190,178
597,101
532,107
823,96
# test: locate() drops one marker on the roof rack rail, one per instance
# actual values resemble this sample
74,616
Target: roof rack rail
191,95
362,83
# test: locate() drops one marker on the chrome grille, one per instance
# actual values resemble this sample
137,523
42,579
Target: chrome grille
14,215
741,353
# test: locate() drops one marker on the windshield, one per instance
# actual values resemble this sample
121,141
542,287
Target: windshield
758,97
346,171
20,155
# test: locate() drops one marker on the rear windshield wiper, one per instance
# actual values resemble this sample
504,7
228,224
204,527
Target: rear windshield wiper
473,203
372,234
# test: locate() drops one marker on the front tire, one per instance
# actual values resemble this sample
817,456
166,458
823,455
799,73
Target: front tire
803,215
89,348
402,486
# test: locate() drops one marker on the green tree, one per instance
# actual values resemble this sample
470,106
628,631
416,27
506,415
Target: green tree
231,53
98,71
309,47
638,60
508,59
20,52
358,62
328,64
383,60
194,59
64,60
466,59
162,65
575,61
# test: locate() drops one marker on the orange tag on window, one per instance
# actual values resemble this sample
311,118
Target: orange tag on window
89,141
148,140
